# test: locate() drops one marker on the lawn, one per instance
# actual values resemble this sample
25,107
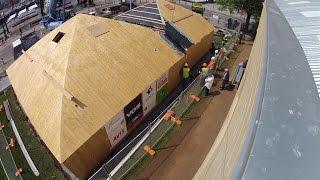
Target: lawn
38,152
159,145
2,174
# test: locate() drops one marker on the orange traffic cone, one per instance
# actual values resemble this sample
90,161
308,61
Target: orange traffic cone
149,150
1,126
194,97
168,115
176,121
18,171
12,143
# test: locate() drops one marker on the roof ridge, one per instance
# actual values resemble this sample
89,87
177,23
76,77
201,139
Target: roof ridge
64,82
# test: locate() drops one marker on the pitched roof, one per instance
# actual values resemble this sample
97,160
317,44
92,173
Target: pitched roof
70,89
193,25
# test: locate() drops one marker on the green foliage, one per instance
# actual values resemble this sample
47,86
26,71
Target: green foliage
252,7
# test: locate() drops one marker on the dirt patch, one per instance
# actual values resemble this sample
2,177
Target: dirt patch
189,145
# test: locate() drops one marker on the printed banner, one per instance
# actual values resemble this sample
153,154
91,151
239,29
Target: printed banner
162,87
133,111
162,93
116,128
149,98
162,80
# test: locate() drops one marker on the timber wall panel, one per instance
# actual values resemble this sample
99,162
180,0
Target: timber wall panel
89,155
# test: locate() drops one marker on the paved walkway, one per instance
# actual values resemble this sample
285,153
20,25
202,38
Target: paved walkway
186,150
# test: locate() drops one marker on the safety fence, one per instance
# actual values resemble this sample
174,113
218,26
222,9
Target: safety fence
6,159
18,137
228,47
126,160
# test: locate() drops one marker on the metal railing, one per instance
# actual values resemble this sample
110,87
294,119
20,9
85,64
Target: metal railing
119,166
227,48
129,157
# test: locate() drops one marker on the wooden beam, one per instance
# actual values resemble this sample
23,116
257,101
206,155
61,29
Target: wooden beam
182,18
58,86
27,55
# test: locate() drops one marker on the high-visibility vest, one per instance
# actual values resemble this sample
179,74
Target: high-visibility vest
205,70
185,72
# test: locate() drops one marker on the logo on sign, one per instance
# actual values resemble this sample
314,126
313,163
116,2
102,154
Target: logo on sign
119,135
133,110
162,80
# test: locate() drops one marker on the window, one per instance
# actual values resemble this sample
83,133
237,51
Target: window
58,37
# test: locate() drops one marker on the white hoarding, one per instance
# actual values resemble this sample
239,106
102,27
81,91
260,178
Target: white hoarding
149,98
162,80
116,128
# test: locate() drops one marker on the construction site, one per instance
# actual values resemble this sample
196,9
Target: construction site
159,90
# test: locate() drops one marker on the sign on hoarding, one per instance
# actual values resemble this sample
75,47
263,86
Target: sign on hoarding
149,98
133,111
162,87
116,129
162,80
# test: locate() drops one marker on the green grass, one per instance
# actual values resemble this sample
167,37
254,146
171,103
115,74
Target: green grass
39,154
160,144
217,39
2,174
147,158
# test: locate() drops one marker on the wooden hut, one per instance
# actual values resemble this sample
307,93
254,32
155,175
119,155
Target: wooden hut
88,83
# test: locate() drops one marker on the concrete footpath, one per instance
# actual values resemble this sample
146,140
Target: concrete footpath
185,151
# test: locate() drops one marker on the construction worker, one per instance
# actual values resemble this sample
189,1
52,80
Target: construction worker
225,79
212,64
186,74
208,84
216,52
240,37
204,69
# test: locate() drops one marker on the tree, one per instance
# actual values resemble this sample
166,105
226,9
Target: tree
251,7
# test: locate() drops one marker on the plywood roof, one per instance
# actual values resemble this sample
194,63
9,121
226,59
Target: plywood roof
70,89
193,25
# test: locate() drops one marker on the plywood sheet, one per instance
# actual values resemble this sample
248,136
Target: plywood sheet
191,24
102,73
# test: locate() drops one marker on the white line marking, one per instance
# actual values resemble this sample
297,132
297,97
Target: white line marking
299,2
314,63
4,169
311,14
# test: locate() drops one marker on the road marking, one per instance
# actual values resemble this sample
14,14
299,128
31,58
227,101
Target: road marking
311,14
299,2
314,64
4,169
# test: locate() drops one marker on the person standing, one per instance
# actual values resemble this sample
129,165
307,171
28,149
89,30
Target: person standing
213,47
225,79
240,37
208,84
186,75
204,69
